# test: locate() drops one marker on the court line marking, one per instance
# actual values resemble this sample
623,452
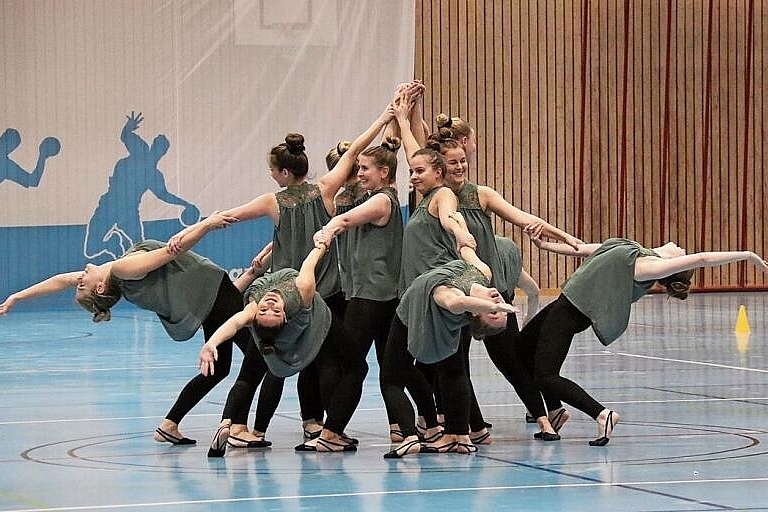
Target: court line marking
688,361
385,493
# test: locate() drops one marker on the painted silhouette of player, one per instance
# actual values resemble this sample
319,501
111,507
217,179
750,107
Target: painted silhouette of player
10,170
115,225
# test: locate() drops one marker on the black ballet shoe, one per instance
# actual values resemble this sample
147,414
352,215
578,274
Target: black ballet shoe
219,443
333,446
403,450
488,425
602,441
349,440
304,447
546,436
443,448
238,442
312,434
529,418
480,438
170,438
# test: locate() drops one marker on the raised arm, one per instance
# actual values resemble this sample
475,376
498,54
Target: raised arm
402,112
336,177
259,266
209,354
305,281
53,284
133,143
647,268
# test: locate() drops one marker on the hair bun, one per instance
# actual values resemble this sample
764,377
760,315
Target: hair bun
433,144
443,121
342,147
391,144
102,316
295,143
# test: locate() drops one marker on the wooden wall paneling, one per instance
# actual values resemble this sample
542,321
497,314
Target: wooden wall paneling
571,97
505,182
694,100
663,186
744,157
557,133
598,225
459,24
674,111
537,117
514,188
657,117
706,148
473,12
759,190
643,189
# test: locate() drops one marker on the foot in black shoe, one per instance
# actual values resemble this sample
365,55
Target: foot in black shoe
219,443
443,448
529,418
410,445
239,442
326,445
611,419
166,437
546,436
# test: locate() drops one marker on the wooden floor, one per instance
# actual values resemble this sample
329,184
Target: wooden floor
80,402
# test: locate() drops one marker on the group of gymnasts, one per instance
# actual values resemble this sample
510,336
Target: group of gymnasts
344,272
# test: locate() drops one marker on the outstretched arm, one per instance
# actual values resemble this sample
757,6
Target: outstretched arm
53,284
444,206
375,210
455,301
581,250
209,354
649,267
496,203
139,264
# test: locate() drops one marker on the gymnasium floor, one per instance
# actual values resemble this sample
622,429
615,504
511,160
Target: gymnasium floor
80,402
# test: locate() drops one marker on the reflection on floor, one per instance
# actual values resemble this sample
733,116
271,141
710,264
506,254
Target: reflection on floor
81,401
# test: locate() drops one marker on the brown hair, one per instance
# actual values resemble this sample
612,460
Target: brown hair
334,155
100,303
290,155
443,140
678,285
385,155
480,329
459,127
435,158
